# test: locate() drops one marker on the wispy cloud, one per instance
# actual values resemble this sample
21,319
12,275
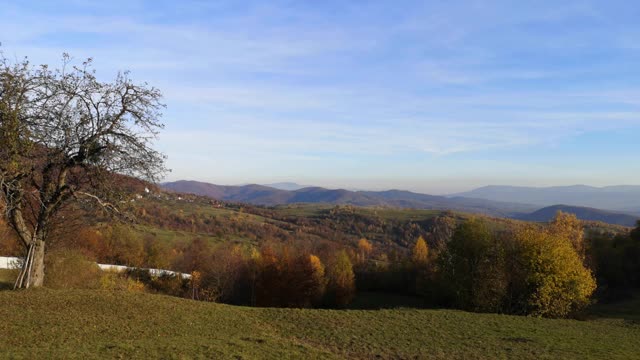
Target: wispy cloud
375,83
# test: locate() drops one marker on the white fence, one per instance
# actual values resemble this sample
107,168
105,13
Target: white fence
14,263
9,262
153,272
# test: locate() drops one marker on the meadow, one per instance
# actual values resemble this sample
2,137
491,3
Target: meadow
90,324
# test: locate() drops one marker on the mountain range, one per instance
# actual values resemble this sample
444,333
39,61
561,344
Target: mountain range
269,196
584,213
473,202
624,198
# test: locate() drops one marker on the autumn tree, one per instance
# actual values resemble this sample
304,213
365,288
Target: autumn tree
224,274
288,278
341,287
63,134
196,256
557,282
123,246
253,274
472,267
88,241
570,228
269,280
420,252
158,254
303,281
318,278
364,249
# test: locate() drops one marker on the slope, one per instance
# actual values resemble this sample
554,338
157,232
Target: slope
87,324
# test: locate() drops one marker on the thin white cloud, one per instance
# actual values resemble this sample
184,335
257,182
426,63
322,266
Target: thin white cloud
441,79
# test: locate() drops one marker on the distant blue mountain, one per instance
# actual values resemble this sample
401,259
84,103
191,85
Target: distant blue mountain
270,196
624,198
582,213
264,195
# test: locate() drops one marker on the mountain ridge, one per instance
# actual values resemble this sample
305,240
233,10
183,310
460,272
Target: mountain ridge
267,196
583,213
622,198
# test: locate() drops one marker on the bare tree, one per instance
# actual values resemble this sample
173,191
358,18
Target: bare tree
64,137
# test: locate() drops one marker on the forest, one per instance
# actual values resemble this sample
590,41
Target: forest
323,256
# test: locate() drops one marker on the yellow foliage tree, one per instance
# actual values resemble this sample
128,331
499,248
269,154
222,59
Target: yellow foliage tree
560,283
569,227
365,248
317,278
342,283
420,252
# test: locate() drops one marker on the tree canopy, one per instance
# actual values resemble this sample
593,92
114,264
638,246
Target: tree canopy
65,134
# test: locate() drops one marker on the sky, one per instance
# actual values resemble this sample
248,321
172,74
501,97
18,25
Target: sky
430,96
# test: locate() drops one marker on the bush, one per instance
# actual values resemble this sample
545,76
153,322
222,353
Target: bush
473,268
558,282
123,246
69,269
530,271
120,282
173,285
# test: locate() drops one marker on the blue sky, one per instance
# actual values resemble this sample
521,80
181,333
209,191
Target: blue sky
431,96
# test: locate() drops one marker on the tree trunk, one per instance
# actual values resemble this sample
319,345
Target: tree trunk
32,273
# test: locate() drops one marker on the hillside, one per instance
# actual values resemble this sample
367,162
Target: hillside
86,324
583,213
171,217
617,198
263,195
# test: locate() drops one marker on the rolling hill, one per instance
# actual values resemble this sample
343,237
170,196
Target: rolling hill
624,198
583,213
88,324
264,195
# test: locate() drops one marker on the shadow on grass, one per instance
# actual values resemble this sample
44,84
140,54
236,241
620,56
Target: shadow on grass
7,278
628,309
5,286
380,300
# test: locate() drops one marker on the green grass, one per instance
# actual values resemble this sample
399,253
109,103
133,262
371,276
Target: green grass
173,236
94,324
386,213
398,214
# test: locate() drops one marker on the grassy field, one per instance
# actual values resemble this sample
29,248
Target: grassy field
94,324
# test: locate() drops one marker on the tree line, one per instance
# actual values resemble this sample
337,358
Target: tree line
548,270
